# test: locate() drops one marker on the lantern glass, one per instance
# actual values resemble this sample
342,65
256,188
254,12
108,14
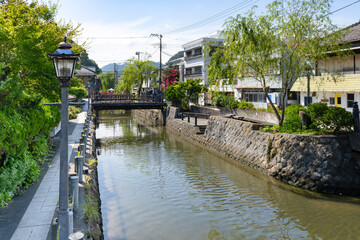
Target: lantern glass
64,67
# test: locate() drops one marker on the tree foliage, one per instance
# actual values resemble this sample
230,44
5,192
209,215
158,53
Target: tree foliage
28,31
135,73
184,92
170,76
107,81
278,45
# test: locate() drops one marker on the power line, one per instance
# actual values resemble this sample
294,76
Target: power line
155,51
343,7
215,17
112,37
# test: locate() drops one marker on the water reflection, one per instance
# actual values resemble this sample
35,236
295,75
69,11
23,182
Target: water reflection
157,185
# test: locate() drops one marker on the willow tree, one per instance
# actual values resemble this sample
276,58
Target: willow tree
278,45
135,73
107,81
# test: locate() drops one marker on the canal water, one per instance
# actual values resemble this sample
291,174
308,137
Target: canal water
157,185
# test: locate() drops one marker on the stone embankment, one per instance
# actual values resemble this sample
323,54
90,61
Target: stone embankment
151,117
92,206
325,164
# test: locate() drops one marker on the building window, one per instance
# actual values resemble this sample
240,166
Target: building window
254,97
188,71
350,100
307,100
197,70
332,101
197,52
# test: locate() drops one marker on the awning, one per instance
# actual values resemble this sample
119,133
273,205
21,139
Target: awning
346,83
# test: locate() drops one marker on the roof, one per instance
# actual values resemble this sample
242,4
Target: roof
85,71
354,33
347,83
215,37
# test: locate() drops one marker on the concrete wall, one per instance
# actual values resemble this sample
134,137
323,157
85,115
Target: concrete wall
323,164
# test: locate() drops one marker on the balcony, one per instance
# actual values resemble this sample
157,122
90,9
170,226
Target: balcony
187,58
193,74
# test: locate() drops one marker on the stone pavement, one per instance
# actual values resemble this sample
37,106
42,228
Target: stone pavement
38,217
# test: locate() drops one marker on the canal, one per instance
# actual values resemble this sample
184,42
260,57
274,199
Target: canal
157,185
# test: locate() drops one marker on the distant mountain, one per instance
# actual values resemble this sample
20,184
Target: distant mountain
110,67
179,54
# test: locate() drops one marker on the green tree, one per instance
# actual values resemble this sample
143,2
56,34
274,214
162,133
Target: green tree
135,73
175,93
193,88
28,31
279,45
184,92
107,81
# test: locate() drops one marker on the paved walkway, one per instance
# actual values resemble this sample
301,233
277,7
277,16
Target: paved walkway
37,219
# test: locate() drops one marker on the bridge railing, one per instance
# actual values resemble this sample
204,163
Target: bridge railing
129,98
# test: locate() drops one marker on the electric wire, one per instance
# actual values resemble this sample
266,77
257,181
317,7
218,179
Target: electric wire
208,20
215,17
115,38
337,10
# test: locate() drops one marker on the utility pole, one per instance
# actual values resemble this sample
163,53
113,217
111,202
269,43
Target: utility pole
160,37
115,74
160,79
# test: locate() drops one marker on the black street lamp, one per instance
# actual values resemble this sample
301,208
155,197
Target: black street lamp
64,61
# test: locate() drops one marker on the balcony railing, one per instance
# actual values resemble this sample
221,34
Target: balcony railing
193,56
188,74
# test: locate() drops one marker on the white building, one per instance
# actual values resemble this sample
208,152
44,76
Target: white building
195,63
250,90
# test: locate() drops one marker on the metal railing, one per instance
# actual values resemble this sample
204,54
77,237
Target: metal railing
145,98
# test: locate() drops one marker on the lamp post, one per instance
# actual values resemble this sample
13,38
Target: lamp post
64,61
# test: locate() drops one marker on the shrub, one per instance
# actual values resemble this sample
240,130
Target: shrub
228,101
261,109
292,121
73,111
175,94
316,111
79,92
246,105
323,119
218,100
330,119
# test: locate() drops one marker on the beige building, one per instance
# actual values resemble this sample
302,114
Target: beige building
346,89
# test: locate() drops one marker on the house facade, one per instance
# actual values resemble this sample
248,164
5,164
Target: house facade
343,89
250,90
196,62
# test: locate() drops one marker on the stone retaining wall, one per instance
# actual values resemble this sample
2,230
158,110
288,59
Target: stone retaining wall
150,117
323,164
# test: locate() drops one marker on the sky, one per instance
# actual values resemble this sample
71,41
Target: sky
115,30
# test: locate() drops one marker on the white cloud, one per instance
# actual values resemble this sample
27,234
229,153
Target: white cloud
113,42
140,21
